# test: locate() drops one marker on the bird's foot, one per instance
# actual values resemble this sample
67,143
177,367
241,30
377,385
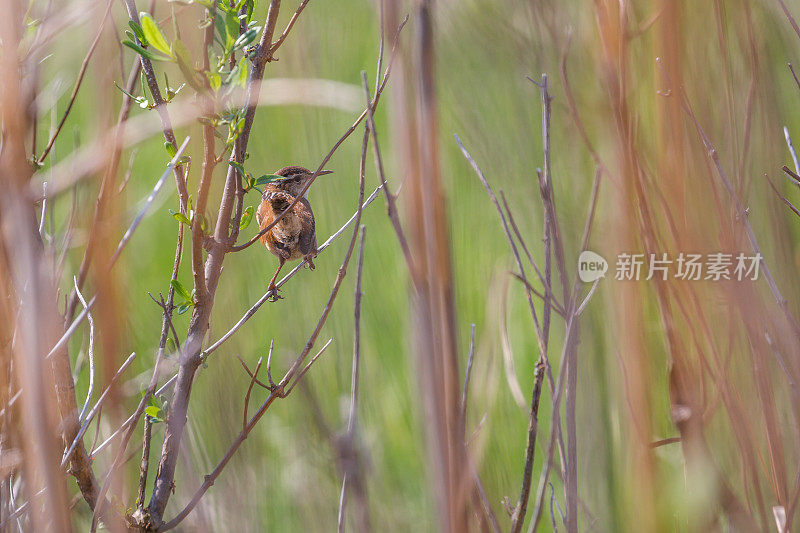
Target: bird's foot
310,262
275,296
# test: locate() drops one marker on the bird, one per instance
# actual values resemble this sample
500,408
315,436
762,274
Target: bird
294,236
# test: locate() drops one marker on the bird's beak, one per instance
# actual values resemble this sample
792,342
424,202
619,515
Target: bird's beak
323,172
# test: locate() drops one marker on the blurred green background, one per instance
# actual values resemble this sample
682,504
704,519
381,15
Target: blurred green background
285,476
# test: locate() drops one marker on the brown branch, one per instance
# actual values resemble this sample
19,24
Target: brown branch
91,414
201,314
293,375
740,210
80,465
785,200
144,465
160,354
555,305
351,474
277,44
518,516
510,239
209,479
160,107
391,207
510,215
480,493
105,187
789,16
253,375
77,86
547,194
253,380
792,175
467,375
209,163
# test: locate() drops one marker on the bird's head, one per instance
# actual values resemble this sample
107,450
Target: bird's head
295,179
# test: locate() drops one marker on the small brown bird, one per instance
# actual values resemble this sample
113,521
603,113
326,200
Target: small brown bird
294,236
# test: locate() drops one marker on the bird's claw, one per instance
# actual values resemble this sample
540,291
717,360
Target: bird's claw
275,296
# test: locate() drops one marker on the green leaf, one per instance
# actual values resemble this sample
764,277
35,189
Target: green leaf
154,35
180,289
183,308
143,83
246,38
268,178
241,80
247,217
214,80
186,64
180,217
238,166
125,92
137,30
231,29
170,148
154,412
219,27
143,52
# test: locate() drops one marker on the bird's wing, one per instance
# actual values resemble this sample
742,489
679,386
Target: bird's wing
308,237
264,217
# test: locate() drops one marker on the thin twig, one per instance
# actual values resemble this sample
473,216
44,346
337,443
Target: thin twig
90,351
209,479
785,200
94,410
350,468
252,374
77,86
44,209
792,151
128,171
391,207
148,202
125,425
340,274
467,374
512,221
249,390
125,238
277,44
548,199
556,306
741,212
518,516
791,174
493,198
